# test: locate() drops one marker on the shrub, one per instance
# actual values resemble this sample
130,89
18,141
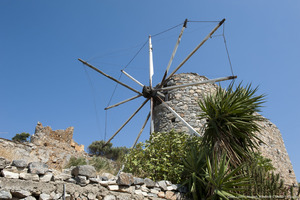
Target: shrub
22,137
231,122
100,164
115,153
160,157
76,162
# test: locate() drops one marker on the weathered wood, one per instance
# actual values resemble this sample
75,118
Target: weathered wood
142,129
192,53
128,75
197,83
112,78
117,104
126,122
174,52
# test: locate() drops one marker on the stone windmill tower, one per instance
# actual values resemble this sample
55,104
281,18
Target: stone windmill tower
185,102
174,105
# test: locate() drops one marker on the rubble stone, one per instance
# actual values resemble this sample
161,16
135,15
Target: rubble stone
84,170
37,168
125,179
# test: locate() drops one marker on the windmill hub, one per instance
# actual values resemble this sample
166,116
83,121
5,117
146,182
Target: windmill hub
148,92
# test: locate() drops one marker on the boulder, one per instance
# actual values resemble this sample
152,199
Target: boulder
125,179
5,194
46,177
9,174
138,181
84,170
110,197
44,197
27,176
162,185
149,182
37,168
20,193
82,180
19,163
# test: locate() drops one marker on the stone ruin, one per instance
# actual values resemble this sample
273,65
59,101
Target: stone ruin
185,102
53,147
46,136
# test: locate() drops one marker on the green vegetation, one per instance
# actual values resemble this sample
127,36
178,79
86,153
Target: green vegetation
160,157
100,164
97,148
76,162
220,165
231,122
22,137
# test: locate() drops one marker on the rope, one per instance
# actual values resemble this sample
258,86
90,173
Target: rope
205,21
114,91
166,30
229,60
94,97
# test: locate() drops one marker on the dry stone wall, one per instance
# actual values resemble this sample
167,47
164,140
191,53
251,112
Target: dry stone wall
185,102
31,181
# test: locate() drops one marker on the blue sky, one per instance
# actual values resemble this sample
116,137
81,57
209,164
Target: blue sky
42,80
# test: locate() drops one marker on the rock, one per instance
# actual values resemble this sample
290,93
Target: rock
20,193
9,174
82,180
113,187
84,170
155,190
161,195
29,198
127,189
37,168
162,185
91,196
71,180
110,197
108,176
5,194
46,177
14,169
168,183
3,163
149,182
138,191
138,181
170,195
44,196
62,177
27,176
19,163
103,178
95,180
104,183
125,179
172,187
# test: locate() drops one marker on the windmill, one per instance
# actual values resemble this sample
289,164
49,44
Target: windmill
154,94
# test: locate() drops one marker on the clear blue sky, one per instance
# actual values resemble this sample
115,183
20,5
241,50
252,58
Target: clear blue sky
42,80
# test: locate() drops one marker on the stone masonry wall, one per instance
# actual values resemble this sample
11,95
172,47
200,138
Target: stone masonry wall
32,181
185,102
46,136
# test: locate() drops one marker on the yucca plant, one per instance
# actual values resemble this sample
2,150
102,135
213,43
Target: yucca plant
213,178
231,122
223,182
